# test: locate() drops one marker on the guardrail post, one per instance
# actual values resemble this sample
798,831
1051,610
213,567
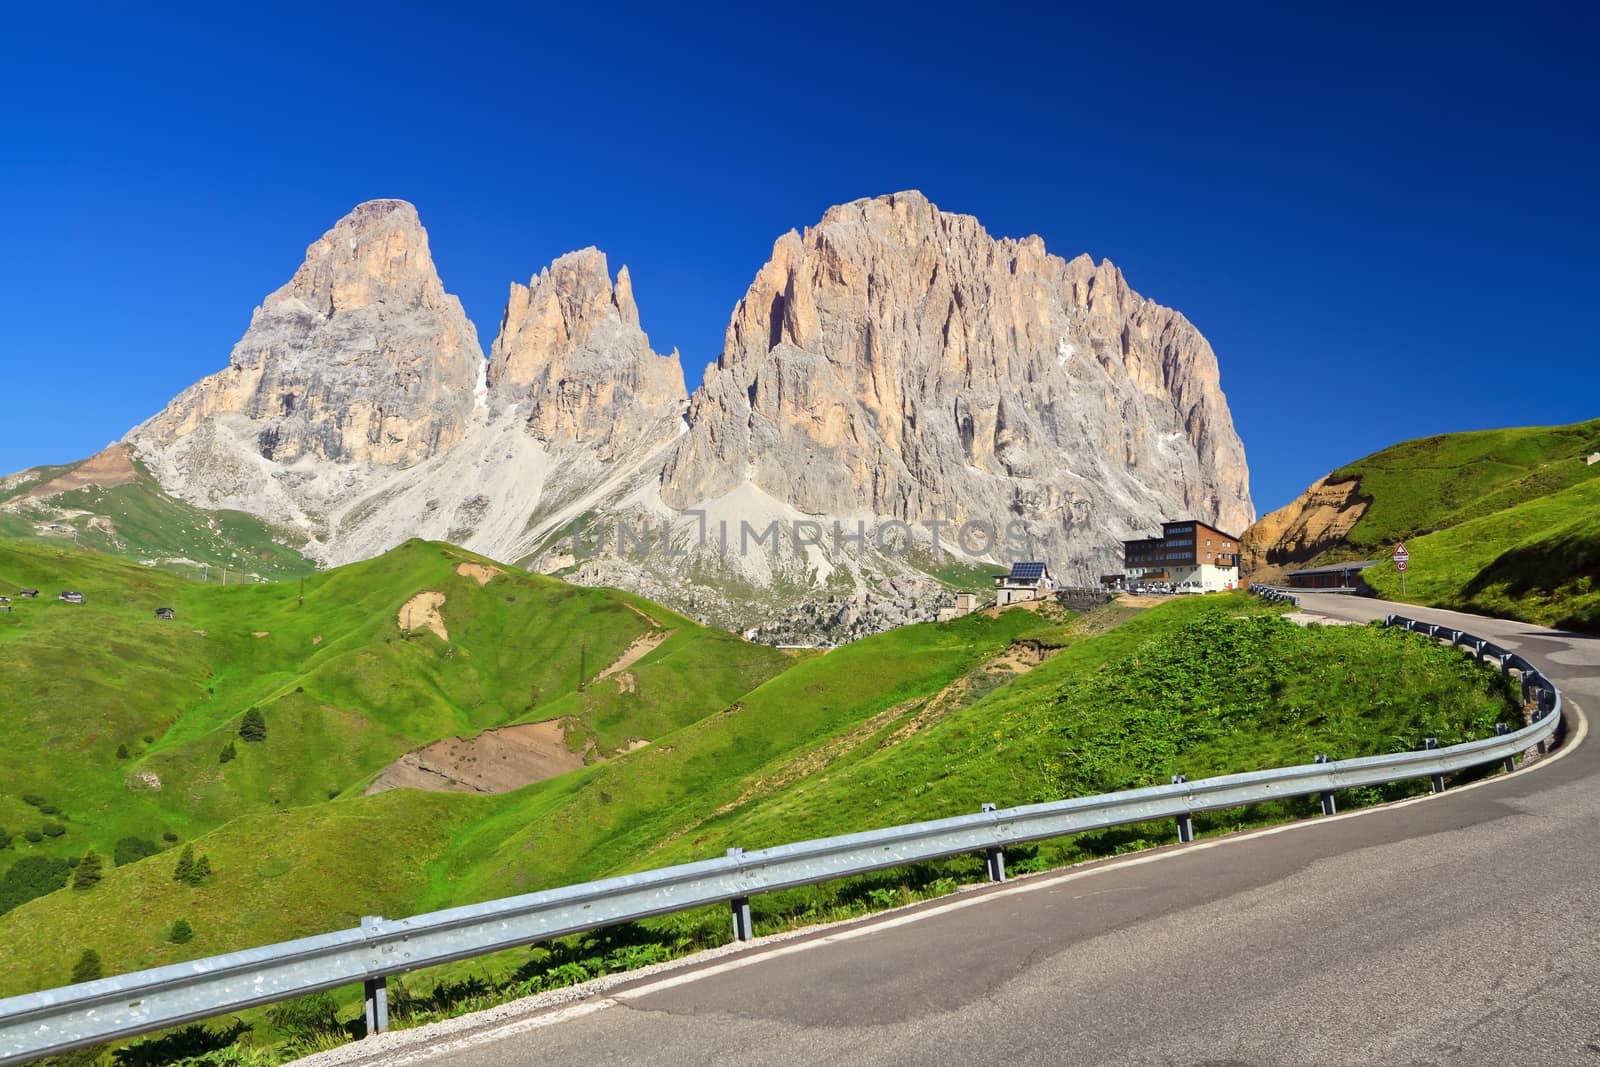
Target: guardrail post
377,992
1505,665
1328,807
1431,743
1186,820
994,858
1510,762
743,928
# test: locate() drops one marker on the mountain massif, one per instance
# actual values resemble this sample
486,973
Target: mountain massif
892,368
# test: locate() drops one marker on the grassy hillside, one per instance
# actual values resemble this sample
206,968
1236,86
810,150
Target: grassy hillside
917,723
139,520
117,722
1496,521
1434,483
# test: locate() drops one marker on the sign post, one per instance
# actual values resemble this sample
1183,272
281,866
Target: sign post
1401,559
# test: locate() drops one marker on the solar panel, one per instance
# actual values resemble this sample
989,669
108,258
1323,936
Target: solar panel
1027,572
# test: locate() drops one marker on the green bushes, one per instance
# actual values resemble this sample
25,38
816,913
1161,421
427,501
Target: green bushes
132,849
253,727
228,753
5,838
191,869
88,967
30,877
90,870
181,933
53,829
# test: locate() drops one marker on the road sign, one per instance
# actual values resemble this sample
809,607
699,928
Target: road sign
1400,553
1400,565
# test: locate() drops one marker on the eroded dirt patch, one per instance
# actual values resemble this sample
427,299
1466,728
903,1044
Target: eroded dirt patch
496,761
641,647
478,572
422,612
112,467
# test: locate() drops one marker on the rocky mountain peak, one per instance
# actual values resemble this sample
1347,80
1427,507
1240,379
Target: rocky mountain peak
378,253
360,358
571,349
897,360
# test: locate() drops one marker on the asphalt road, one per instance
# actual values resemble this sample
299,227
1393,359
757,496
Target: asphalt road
1460,928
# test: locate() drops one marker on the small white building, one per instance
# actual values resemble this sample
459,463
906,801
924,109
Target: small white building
1025,581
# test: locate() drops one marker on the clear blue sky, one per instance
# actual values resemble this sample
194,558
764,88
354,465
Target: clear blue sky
1385,225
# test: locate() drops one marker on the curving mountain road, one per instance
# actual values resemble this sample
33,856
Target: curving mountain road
1462,928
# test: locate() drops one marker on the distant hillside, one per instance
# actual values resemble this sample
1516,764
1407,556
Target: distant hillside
745,746
1499,521
111,503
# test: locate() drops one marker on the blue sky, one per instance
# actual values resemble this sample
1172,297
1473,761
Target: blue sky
1385,225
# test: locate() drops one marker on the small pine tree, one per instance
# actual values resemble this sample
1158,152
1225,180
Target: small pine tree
5,838
228,752
182,933
88,967
122,751
202,871
184,872
253,727
90,870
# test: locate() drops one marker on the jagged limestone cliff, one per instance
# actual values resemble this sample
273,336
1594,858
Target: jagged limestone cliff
893,362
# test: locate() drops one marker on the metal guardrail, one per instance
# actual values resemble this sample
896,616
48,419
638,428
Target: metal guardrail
57,1020
1272,592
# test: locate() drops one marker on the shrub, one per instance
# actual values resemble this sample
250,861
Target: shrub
53,829
32,798
5,838
315,1013
184,871
228,752
253,727
149,740
169,837
122,751
202,871
49,809
30,877
181,933
132,849
33,835
88,967
90,870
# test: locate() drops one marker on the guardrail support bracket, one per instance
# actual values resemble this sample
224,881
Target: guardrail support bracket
377,1005
1186,820
994,858
743,929
1510,762
1431,743
1328,806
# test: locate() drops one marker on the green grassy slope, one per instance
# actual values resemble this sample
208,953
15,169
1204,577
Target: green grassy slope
140,520
343,689
915,723
1497,521
1433,483
1538,560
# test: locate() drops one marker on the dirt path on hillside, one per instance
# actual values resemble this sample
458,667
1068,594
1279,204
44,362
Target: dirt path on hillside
422,611
641,647
496,761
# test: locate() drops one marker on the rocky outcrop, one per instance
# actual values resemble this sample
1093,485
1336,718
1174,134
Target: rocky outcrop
361,358
895,360
1315,522
571,348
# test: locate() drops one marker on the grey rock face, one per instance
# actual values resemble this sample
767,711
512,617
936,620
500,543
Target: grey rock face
362,357
570,346
897,361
